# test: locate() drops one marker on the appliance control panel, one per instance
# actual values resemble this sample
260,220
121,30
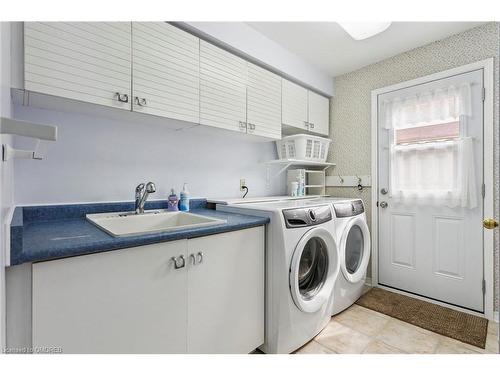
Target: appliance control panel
307,216
347,209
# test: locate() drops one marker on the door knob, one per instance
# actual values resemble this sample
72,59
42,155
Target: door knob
383,204
383,191
490,223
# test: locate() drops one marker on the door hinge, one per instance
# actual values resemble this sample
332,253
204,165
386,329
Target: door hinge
484,94
483,190
484,286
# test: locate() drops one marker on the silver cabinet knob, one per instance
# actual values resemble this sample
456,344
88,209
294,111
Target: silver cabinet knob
178,264
243,125
311,125
383,191
383,204
251,126
200,257
306,124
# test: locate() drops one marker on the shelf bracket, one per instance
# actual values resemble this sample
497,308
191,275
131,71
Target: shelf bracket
42,133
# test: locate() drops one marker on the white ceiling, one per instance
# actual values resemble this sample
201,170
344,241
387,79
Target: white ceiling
328,47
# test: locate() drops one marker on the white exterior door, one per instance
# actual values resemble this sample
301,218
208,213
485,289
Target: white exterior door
432,250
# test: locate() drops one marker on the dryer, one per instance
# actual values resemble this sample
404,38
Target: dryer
353,239
302,265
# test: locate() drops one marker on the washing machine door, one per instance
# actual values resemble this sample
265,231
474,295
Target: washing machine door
313,270
355,249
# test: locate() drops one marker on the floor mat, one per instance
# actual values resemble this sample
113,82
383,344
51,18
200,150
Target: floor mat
457,325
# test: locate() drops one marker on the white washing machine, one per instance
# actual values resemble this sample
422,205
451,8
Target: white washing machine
302,264
353,239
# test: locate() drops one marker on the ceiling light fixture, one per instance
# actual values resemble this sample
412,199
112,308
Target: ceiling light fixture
363,30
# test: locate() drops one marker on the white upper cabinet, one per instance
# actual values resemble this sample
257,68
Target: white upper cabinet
223,86
304,110
318,113
294,105
165,75
263,102
86,61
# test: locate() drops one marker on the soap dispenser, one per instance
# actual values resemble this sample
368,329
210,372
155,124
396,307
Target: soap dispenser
173,200
184,199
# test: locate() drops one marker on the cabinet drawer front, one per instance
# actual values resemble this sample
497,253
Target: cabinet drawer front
166,70
319,108
87,61
223,80
294,110
226,292
125,301
263,102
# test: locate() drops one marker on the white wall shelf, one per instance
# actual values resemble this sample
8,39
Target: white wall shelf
287,163
40,132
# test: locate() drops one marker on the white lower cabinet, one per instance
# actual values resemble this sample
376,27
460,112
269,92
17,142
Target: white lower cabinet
226,292
135,300
124,301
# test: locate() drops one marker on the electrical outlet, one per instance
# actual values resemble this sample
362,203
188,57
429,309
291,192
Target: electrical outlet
242,183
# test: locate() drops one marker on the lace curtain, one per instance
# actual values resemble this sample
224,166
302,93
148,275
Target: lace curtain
428,107
431,172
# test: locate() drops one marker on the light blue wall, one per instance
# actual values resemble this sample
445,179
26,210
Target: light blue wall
98,159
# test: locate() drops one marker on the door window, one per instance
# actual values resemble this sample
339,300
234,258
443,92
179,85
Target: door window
431,156
354,248
313,268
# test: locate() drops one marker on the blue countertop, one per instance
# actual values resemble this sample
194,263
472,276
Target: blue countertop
49,232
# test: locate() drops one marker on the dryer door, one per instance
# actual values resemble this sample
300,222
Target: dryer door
355,249
313,270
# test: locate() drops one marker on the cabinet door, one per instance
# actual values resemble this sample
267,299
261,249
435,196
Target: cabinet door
124,301
263,102
294,105
87,61
223,80
226,292
319,108
165,73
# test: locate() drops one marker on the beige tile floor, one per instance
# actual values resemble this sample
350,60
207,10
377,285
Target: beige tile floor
360,330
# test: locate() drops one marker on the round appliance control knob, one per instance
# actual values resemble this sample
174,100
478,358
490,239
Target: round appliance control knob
312,215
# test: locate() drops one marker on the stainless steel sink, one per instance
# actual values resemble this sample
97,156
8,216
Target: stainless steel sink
128,223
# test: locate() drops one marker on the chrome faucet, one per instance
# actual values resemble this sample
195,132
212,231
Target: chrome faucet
141,195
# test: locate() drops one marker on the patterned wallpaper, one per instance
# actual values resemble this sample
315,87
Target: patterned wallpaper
350,118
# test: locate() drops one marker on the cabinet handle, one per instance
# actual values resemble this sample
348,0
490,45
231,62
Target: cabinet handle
176,264
193,258
141,102
311,125
200,257
306,124
251,126
122,97
243,125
